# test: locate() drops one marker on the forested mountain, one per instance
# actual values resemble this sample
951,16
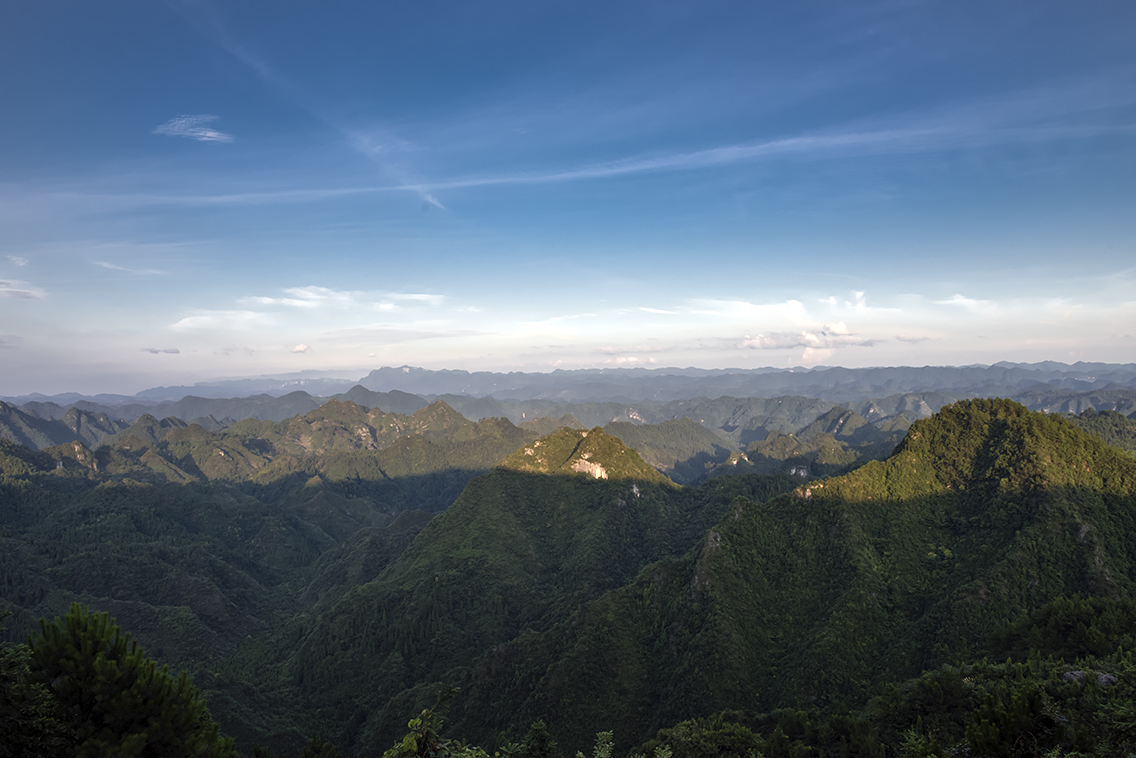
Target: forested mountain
194,540
286,565
214,547
606,395
1111,427
558,523
72,425
986,513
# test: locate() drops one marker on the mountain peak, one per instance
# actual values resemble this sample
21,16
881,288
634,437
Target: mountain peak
438,417
988,442
589,452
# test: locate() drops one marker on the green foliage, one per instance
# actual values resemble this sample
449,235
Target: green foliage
424,741
1070,628
680,448
1110,427
28,725
115,700
538,743
829,617
603,747
987,512
1020,721
705,738
318,748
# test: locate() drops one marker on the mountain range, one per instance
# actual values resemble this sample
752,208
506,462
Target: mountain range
346,568
643,385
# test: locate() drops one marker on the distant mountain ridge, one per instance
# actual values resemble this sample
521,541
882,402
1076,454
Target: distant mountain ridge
833,383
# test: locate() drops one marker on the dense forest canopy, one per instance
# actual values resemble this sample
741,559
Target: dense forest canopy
969,588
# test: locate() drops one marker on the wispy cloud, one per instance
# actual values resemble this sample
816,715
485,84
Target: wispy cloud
828,338
634,349
1067,112
159,350
980,307
789,311
397,301
308,297
20,291
629,360
312,297
373,147
204,320
127,269
19,260
193,127
417,297
1013,118
235,350
658,310
301,348
393,333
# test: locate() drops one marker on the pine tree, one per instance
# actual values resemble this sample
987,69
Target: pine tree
28,728
114,698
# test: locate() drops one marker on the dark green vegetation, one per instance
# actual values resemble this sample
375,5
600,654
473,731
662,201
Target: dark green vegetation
1112,427
212,547
554,526
973,591
111,699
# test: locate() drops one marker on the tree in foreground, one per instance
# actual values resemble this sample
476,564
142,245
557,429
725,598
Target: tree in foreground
424,741
28,727
116,701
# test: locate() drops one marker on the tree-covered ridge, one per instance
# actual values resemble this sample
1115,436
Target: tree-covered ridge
593,453
549,592
420,461
198,557
1110,426
522,548
20,426
681,449
986,513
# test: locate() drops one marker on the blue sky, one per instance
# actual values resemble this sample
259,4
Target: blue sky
198,190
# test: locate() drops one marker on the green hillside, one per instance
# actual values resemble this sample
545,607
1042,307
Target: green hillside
680,448
986,513
299,571
1111,427
554,526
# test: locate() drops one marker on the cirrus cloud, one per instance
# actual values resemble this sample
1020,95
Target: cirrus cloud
127,269
20,291
193,127
204,320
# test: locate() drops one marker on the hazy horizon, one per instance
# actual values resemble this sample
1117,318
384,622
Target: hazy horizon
194,190
348,378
